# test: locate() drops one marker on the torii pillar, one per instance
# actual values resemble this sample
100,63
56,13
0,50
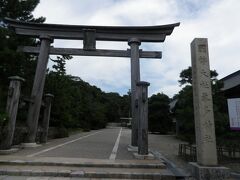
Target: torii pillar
37,91
134,43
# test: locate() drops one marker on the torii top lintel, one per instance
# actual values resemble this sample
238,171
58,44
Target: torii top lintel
102,33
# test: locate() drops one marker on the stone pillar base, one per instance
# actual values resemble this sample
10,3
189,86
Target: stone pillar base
131,148
30,145
8,151
209,172
149,156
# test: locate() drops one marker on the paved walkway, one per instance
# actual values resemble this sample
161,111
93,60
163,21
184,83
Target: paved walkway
105,144
102,145
167,145
99,144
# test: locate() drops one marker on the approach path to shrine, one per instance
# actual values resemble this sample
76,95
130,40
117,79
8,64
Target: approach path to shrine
98,144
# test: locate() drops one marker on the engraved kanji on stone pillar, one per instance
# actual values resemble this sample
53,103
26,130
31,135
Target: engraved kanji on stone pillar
203,105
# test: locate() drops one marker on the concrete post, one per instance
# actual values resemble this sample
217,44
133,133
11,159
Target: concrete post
37,91
143,117
46,117
135,77
205,168
12,108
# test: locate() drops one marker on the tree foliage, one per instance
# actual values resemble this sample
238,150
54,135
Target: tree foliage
185,113
76,104
186,76
12,62
159,115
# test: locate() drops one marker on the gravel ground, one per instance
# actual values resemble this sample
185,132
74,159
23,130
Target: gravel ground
167,145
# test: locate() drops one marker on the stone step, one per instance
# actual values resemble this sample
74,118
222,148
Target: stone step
86,172
84,168
82,162
51,178
85,164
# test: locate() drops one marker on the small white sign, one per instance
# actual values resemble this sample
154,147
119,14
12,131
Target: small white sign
234,113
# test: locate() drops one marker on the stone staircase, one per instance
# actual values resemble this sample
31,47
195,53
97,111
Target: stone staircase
84,168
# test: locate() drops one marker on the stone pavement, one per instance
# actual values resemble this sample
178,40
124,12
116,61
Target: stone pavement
85,155
89,151
97,144
94,144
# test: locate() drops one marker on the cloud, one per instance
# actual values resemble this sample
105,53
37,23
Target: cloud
215,20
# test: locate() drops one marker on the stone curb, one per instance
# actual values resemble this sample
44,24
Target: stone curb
83,164
68,173
162,176
235,175
9,151
171,166
34,173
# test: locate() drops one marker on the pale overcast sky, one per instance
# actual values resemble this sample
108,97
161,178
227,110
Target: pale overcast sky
217,20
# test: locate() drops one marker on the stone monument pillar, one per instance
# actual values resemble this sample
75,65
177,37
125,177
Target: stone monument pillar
206,166
37,91
135,77
46,117
203,106
12,109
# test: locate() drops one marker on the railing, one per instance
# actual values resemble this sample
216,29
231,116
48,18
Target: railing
187,151
231,153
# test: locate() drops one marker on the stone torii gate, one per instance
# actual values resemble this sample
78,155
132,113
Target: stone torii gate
134,35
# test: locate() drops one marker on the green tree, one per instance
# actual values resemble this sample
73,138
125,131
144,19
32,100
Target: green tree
59,66
113,102
125,106
185,113
159,115
186,76
12,62
76,103
60,84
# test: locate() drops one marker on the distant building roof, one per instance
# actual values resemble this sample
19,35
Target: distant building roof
231,81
